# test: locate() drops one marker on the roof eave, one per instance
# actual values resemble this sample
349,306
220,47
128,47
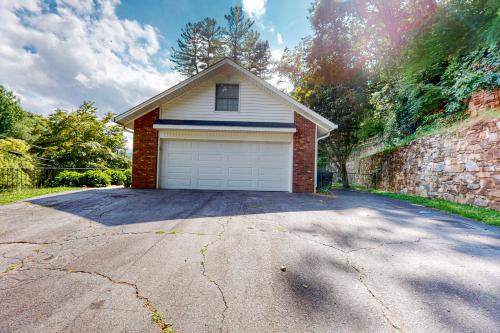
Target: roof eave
155,101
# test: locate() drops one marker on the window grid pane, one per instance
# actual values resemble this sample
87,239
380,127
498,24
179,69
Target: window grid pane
227,97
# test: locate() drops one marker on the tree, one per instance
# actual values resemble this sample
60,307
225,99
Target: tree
79,139
186,56
236,32
14,154
256,55
15,122
292,66
203,43
344,103
366,34
211,43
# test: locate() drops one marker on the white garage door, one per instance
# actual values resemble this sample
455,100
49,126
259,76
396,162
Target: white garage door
220,165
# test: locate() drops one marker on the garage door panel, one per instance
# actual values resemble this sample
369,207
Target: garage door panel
225,165
204,171
207,157
239,183
181,146
178,181
239,172
270,172
182,170
210,183
179,159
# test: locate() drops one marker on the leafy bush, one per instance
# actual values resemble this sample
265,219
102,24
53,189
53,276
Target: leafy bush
90,178
95,178
417,102
464,76
128,178
16,163
117,176
68,178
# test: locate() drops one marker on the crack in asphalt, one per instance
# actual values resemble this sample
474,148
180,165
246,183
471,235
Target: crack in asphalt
27,242
209,279
385,309
203,266
362,276
163,325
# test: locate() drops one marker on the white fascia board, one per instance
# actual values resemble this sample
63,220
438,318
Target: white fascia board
225,128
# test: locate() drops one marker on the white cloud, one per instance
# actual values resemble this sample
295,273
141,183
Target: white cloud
255,9
276,54
279,39
79,51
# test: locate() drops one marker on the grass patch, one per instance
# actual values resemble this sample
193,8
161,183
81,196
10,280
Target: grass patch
487,216
10,268
14,196
158,320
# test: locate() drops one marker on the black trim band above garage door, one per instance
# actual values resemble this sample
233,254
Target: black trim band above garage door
224,123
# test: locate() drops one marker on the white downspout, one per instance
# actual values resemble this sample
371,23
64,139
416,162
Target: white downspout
316,157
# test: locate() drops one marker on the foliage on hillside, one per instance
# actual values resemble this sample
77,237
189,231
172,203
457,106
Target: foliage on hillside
422,60
455,53
15,153
78,139
15,122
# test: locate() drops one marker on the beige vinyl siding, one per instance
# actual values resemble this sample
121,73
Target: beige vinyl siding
256,104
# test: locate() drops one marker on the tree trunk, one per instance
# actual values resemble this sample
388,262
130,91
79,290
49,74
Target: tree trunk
345,179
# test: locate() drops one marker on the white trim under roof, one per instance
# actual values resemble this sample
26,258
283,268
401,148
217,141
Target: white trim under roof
225,128
155,101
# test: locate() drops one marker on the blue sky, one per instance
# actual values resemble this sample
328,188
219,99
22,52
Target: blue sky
285,17
58,53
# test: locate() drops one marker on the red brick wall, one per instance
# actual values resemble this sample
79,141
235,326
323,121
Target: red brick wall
145,151
304,141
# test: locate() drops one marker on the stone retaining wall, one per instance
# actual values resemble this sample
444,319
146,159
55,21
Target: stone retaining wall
461,165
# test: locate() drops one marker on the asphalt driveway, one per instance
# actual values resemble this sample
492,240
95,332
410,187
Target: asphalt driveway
107,260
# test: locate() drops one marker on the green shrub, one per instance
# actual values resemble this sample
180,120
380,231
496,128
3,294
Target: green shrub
417,102
68,178
95,178
475,71
128,178
117,176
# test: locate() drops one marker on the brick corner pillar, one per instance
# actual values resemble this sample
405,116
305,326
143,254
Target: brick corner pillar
144,160
304,144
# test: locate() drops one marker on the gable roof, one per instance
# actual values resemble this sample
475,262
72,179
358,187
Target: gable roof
155,101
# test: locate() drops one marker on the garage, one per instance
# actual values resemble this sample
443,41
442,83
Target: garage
225,165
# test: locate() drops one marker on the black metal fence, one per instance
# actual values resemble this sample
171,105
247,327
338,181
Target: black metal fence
18,178
327,178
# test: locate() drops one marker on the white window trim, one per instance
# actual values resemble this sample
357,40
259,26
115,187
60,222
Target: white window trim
239,97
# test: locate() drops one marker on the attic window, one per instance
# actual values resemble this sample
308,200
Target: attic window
227,97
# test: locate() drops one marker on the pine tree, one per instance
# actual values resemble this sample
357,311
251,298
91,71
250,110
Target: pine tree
187,54
260,57
211,46
238,28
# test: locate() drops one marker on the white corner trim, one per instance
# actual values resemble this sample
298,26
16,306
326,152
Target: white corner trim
225,128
